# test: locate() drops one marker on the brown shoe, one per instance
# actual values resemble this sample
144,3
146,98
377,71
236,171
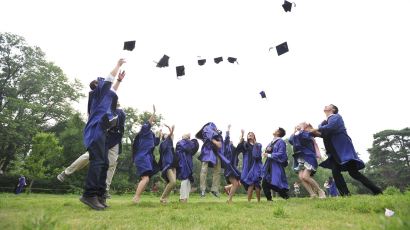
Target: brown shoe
92,202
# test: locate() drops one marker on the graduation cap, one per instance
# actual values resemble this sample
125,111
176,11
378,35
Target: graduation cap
287,6
263,94
129,45
282,48
201,61
180,71
163,62
218,59
232,60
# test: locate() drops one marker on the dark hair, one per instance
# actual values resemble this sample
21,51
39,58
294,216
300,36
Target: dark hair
282,132
335,109
93,84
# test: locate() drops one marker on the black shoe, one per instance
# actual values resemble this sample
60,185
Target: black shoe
216,194
92,202
103,201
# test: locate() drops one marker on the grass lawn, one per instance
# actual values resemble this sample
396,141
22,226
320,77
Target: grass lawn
41,211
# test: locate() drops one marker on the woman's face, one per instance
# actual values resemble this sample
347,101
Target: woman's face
251,136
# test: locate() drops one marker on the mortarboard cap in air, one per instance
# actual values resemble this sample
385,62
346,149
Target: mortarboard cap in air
129,45
218,59
163,62
287,6
201,61
232,60
180,71
282,48
263,94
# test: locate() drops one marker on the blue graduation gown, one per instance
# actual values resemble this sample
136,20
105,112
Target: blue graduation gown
167,158
251,163
333,190
273,170
303,148
143,151
207,133
231,155
343,151
115,134
101,102
185,149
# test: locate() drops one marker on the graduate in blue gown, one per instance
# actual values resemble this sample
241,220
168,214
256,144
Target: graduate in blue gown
273,172
21,184
143,155
341,154
231,173
251,175
305,157
185,150
211,155
332,187
169,162
102,103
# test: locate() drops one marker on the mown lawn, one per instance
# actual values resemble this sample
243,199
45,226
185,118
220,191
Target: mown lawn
40,211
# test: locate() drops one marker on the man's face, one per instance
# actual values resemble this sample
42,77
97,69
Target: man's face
276,133
328,108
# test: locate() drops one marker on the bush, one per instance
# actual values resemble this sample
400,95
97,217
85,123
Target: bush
391,190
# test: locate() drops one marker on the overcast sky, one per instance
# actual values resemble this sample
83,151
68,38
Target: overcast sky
354,54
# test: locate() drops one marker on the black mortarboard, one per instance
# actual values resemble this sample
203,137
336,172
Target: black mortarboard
218,59
282,48
180,71
287,6
201,61
163,62
130,45
263,94
232,59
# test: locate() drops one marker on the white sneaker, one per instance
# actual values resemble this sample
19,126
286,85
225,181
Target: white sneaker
61,177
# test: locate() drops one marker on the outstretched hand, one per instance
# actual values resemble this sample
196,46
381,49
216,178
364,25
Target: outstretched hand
121,75
120,62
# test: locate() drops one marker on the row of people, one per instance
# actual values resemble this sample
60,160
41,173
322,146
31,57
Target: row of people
105,127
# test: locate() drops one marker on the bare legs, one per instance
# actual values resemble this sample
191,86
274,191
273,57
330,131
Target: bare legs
140,188
232,188
257,191
310,184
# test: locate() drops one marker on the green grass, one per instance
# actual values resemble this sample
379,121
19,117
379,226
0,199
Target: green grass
39,211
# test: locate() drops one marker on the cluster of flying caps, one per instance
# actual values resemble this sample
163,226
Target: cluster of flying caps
287,6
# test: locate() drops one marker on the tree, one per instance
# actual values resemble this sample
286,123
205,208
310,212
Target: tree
40,163
34,93
390,158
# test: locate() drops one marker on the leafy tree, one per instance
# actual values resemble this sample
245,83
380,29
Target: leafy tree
34,93
39,164
389,163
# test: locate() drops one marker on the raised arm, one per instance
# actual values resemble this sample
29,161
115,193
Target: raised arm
171,131
151,120
116,69
121,76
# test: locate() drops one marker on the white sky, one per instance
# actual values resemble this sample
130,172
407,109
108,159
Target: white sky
354,54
